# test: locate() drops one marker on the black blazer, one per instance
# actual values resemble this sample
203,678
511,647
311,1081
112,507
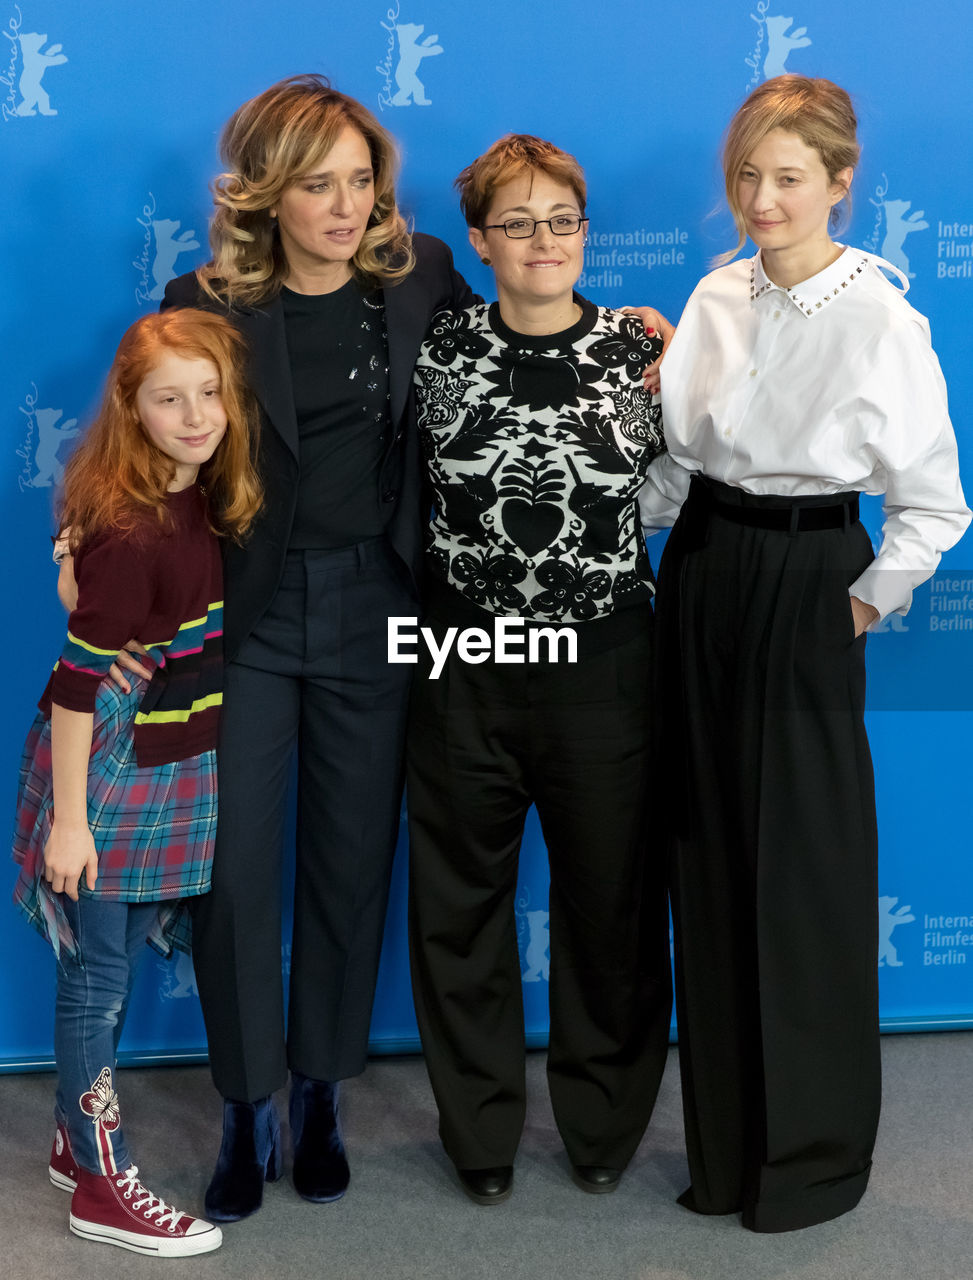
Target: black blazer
253,571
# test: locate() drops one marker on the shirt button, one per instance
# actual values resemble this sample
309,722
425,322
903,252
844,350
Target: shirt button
389,495
753,373
728,433
776,315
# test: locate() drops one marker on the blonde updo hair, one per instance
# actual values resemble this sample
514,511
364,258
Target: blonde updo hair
821,115
268,144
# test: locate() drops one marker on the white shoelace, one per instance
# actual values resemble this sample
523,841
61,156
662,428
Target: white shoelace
166,1215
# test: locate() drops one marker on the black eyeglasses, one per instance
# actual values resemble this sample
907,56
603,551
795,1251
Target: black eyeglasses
562,224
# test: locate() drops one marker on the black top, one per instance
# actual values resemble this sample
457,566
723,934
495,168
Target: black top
338,352
253,569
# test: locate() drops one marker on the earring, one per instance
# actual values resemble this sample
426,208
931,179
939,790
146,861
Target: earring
485,261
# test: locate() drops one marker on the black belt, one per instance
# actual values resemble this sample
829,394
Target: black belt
800,515
795,519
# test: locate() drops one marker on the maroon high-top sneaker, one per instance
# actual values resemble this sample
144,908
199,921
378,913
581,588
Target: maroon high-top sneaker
62,1170
115,1208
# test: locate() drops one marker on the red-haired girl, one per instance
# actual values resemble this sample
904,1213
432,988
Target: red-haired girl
117,803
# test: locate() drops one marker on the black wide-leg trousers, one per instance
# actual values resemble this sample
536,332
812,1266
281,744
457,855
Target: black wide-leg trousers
485,741
313,680
774,883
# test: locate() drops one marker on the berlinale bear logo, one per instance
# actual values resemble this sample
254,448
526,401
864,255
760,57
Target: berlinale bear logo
781,41
898,224
34,62
51,434
179,978
888,920
40,448
411,53
537,950
777,38
893,222
168,247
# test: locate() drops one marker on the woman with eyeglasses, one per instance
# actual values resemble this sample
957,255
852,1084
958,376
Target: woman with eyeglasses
537,433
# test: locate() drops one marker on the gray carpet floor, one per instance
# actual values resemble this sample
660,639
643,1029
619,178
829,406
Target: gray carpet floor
405,1218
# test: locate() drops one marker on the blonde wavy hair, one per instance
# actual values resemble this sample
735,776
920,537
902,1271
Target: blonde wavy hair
268,144
822,116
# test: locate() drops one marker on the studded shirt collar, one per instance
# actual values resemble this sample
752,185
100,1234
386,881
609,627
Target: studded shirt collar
814,294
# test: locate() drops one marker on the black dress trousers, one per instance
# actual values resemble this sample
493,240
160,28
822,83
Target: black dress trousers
774,882
485,741
313,679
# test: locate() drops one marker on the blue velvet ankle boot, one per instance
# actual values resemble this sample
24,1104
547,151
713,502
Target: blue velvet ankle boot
249,1155
320,1165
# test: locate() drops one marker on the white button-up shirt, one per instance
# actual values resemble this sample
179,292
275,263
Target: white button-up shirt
829,386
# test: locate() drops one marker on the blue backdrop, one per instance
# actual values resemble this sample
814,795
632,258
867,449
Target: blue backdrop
110,115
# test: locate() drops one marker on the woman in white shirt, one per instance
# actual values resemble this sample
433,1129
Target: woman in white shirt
796,380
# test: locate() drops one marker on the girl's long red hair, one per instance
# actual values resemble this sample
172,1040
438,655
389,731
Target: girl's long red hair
117,477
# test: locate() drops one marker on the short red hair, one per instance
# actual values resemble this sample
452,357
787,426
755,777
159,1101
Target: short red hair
508,158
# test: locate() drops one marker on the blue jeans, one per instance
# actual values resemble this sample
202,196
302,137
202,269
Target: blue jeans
89,1013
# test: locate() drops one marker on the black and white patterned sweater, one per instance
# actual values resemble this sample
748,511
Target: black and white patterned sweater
536,449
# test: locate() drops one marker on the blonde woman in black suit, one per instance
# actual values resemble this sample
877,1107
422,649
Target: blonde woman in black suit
314,264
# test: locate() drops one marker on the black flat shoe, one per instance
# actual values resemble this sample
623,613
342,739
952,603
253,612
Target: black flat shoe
321,1171
595,1178
487,1186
